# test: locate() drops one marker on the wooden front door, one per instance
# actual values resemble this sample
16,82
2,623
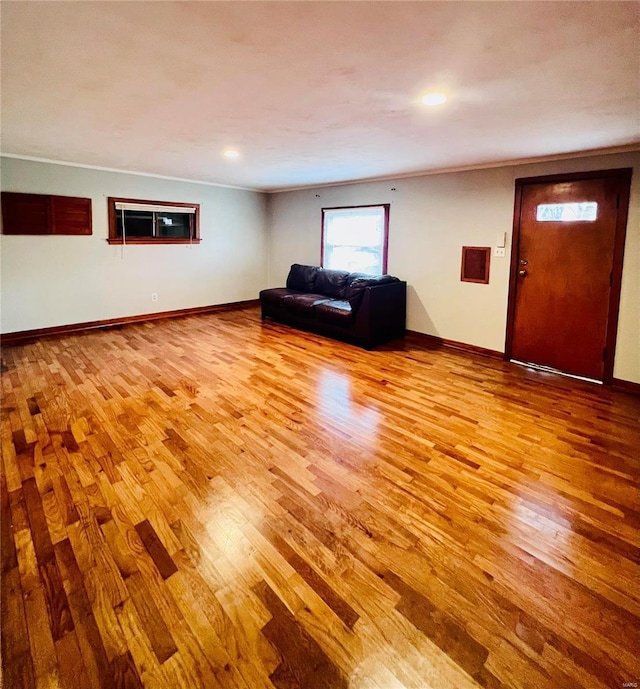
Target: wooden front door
566,270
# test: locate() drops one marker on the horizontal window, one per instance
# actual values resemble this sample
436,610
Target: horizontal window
355,238
153,222
584,211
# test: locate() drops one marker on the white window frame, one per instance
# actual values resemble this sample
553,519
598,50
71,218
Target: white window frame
381,248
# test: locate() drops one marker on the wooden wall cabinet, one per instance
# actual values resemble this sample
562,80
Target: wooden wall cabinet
38,214
475,264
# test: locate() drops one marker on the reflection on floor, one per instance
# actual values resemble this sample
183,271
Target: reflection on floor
219,502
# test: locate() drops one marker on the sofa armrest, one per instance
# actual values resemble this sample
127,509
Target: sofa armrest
383,311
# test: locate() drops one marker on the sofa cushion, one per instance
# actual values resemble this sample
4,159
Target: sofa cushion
303,303
357,283
360,281
359,276
335,311
302,278
332,282
274,296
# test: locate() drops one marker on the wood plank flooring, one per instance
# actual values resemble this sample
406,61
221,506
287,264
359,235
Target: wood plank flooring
215,502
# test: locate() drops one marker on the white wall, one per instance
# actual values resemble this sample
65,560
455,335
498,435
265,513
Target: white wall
49,281
431,218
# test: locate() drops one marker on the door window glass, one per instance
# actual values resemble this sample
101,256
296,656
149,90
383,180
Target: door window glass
567,212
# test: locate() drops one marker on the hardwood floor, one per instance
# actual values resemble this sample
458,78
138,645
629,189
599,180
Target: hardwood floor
214,502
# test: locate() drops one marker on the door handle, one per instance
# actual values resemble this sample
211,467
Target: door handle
522,273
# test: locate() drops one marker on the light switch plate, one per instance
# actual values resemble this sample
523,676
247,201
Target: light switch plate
499,252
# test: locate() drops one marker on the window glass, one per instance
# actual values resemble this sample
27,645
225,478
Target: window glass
172,225
567,212
354,239
135,223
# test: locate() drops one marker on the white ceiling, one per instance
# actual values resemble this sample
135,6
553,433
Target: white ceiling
315,92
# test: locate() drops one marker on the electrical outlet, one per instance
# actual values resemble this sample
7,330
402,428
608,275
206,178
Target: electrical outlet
154,296
499,252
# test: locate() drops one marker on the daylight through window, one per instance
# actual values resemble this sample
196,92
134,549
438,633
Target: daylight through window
355,238
584,211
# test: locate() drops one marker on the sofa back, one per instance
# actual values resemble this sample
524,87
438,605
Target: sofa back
338,284
302,278
332,283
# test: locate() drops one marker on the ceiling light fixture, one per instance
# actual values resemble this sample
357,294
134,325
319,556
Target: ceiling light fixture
434,99
231,153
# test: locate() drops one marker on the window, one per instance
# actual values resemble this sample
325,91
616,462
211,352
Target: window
355,238
153,222
567,212
38,214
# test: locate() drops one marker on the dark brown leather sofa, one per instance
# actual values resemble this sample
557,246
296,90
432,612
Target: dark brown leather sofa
363,309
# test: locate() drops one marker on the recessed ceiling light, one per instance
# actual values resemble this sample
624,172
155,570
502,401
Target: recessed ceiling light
434,99
231,153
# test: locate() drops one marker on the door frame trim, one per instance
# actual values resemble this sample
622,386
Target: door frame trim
618,256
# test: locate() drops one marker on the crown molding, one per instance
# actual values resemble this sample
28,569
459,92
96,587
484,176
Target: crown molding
137,173
627,148
612,150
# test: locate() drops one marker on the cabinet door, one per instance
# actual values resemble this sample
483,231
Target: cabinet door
70,215
25,213
34,214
